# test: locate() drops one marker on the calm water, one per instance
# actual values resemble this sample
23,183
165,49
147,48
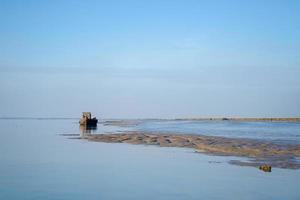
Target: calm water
37,163
275,131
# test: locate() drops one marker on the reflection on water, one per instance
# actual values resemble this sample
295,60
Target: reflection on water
87,130
37,163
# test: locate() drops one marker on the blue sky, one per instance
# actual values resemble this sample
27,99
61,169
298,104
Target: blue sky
132,59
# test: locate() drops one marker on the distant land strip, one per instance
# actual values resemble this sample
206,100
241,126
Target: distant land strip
275,119
250,119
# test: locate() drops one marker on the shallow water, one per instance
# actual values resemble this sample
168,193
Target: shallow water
282,132
37,163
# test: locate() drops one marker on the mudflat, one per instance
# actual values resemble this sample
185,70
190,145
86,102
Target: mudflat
259,151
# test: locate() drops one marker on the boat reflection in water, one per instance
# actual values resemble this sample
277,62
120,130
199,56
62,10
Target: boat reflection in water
87,130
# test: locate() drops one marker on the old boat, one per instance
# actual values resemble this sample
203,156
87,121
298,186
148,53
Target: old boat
87,120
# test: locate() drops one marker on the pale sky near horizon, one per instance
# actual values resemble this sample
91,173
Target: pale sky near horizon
148,59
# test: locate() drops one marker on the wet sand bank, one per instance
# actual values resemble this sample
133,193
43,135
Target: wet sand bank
259,152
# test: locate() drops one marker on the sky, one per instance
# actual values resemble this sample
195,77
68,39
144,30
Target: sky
150,59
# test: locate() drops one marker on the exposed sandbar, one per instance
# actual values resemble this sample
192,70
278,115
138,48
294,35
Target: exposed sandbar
277,155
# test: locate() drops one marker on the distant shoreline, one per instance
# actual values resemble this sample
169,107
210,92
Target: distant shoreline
250,119
275,119
38,118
